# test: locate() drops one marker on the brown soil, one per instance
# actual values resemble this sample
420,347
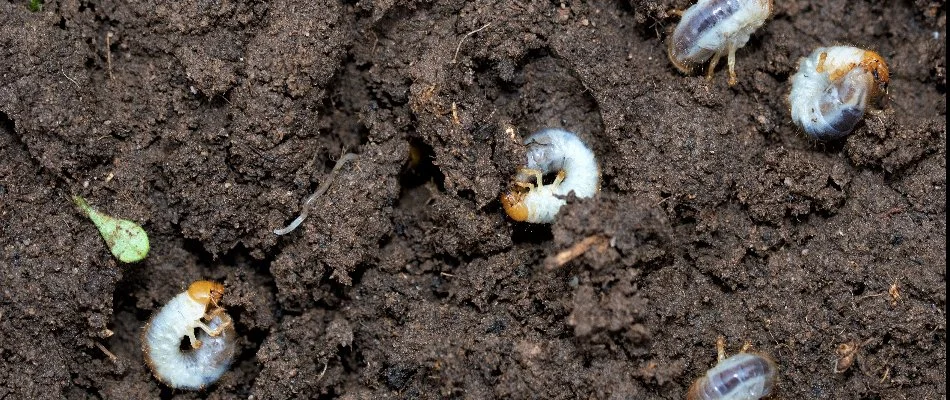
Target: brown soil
208,123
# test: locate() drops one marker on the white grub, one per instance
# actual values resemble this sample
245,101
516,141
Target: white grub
305,205
833,87
551,150
213,347
711,28
744,376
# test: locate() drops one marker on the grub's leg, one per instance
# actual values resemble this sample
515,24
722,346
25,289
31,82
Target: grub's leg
217,331
712,66
538,175
559,178
524,185
720,348
208,330
195,343
731,61
745,347
218,311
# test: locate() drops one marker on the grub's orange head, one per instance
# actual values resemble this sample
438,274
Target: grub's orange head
874,64
513,202
206,292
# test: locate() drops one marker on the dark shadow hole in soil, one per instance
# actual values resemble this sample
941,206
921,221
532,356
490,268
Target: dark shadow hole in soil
648,268
195,247
213,100
718,281
338,290
832,184
440,287
452,261
467,194
166,393
217,265
420,169
351,359
87,6
524,232
6,123
684,214
858,289
831,146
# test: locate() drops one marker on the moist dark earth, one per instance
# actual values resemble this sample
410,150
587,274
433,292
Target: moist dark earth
209,122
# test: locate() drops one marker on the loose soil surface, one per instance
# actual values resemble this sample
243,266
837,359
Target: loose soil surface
209,122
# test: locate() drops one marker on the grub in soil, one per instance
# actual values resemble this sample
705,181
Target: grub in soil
716,215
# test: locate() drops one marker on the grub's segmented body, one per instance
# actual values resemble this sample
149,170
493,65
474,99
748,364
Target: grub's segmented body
213,347
552,150
744,376
711,28
833,87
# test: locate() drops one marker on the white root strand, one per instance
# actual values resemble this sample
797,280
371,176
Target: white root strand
305,205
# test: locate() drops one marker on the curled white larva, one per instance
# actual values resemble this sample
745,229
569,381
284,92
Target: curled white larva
551,150
212,348
711,28
833,87
744,376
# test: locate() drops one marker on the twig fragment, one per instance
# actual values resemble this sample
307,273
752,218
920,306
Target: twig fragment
575,251
112,357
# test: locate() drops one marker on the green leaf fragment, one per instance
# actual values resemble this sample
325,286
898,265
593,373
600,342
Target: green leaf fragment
126,239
